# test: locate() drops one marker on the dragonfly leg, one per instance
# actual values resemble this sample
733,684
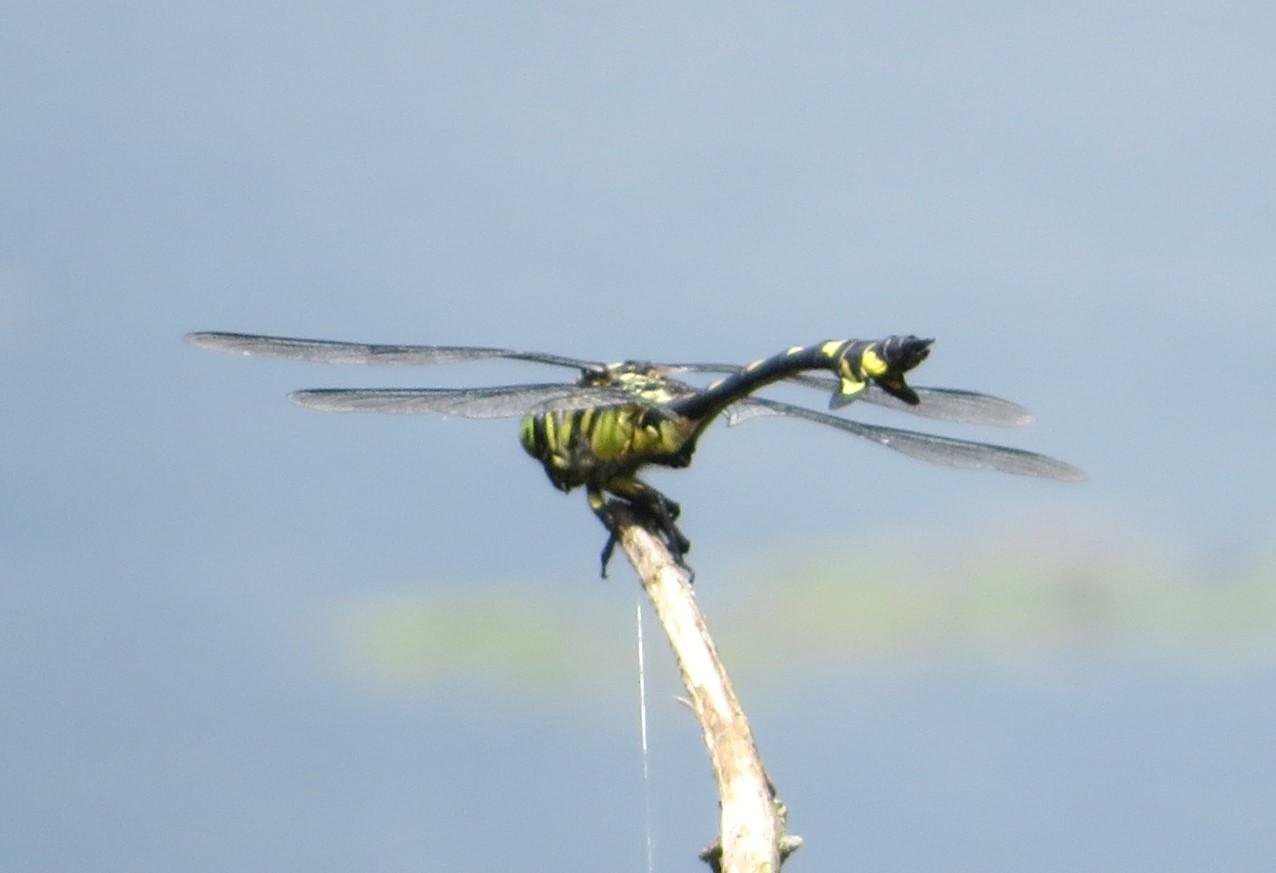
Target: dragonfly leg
602,508
651,504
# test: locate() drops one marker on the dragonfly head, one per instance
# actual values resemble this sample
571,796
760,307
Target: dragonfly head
884,362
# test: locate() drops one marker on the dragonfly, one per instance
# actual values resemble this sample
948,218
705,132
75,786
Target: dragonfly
599,430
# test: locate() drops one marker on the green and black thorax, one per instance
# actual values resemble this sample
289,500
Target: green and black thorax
597,444
594,445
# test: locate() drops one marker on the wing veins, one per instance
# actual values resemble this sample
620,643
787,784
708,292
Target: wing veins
371,354
940,404
495,402
932,448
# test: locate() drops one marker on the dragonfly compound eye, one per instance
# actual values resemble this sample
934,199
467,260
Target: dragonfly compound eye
902,353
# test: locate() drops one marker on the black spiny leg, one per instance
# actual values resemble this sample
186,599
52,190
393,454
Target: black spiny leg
666,511
659,509
647,501
598,503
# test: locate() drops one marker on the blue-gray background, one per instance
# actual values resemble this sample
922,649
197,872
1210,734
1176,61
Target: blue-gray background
238,635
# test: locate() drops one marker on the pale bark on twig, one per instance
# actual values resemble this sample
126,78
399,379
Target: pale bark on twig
753,836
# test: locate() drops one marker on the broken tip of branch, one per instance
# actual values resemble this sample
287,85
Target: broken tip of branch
754,822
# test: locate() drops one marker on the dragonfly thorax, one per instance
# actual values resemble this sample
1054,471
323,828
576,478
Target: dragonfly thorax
595,445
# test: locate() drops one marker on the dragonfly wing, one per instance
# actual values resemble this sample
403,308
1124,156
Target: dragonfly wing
935,449
497,402
336,352
957,406
939,404
743,410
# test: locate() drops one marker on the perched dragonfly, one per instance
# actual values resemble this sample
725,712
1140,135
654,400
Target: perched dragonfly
601,429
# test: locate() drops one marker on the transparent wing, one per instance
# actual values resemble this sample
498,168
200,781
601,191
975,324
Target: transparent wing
944,404
935,449
336,352
954,405
940,404
498,402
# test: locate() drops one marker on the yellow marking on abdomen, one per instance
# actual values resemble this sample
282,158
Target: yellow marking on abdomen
871,362
829,349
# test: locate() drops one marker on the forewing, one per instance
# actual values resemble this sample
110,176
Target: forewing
497,402
932,448
954,405
337,352
939,404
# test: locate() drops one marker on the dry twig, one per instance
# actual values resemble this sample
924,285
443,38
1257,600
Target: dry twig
753,837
